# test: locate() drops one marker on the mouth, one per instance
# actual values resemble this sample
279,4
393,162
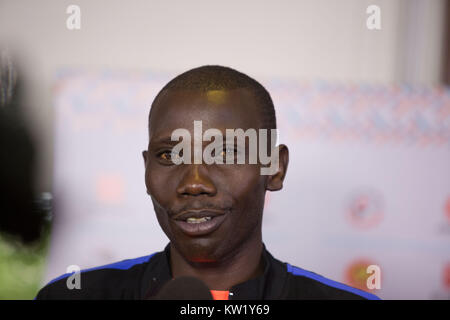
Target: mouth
199,222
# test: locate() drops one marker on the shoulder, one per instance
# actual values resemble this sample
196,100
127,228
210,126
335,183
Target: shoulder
304,284
117,280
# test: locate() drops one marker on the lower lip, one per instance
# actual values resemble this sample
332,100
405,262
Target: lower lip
202,228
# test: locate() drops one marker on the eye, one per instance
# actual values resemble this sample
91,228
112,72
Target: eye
228,150
168,155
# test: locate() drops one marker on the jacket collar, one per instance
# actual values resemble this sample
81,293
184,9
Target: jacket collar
269,285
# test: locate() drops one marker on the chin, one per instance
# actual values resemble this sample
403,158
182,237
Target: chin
201,250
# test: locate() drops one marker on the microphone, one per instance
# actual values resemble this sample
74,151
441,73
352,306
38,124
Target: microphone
184,288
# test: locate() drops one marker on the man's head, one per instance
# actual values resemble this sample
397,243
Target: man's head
231,194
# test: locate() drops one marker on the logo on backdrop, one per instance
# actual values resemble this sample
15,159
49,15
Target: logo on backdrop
444,226
446,276
363,274
444,292
447,209
365,208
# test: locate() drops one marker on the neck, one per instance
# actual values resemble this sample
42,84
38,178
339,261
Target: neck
244,264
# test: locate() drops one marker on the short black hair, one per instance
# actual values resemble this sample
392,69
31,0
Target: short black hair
214,77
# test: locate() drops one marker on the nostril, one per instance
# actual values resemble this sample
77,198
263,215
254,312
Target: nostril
196,181
197,189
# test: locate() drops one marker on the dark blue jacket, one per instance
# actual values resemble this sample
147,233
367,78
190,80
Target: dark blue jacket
141,278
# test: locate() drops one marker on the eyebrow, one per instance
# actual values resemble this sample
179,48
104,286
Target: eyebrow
162,140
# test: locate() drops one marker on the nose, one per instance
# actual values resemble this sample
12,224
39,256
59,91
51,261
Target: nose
196,181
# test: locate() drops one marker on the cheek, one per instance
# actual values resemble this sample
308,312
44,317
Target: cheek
159,187
158,183
248,192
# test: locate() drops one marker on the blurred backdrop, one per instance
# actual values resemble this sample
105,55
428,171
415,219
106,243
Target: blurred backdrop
365,114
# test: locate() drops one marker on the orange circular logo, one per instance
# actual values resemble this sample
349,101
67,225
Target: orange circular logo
356,274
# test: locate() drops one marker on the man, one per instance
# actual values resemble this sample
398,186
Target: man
211,213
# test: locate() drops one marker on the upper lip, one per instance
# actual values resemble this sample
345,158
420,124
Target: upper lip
184,215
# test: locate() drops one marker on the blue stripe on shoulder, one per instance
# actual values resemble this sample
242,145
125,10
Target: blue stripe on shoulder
301,272
122,265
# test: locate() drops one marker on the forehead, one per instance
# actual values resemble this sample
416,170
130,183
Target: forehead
221,109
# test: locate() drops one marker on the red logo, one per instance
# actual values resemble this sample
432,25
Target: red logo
447,208
356,274
446,276
365,209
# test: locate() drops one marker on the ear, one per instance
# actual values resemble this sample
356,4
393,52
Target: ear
275,182
144,155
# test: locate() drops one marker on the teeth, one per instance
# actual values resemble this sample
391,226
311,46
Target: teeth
198,220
